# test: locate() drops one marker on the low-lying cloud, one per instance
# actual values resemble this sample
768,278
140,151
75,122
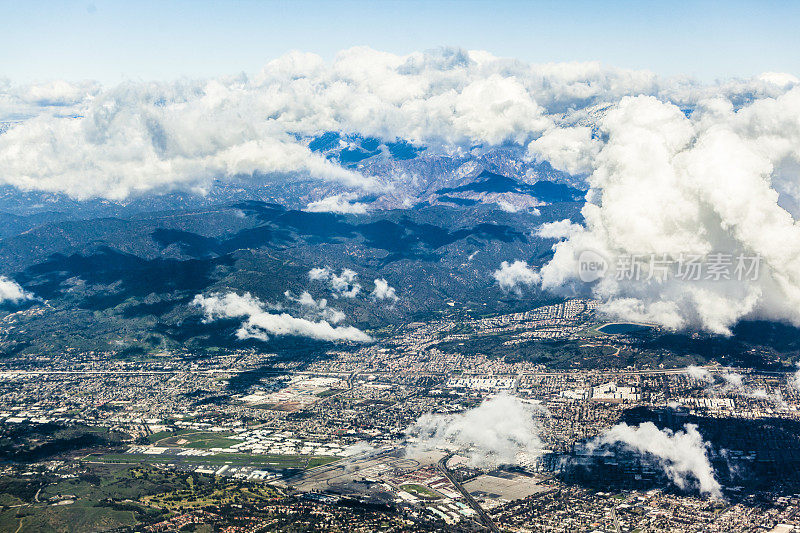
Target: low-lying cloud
495,433
383,291
12,292
699,373
319,307
560,229
731,382
259,322
514,276
682,455
338,203
344,284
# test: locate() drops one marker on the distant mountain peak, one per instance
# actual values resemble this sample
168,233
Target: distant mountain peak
490,183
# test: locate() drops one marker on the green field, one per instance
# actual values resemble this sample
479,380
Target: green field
420,491
202,440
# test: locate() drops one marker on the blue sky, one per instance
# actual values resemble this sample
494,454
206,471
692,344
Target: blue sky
113,41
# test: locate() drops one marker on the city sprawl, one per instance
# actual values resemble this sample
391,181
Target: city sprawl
330,437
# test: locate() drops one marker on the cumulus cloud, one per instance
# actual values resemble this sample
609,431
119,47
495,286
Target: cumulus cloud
319,273
513,276
670,186
682,455
571,149
20,102
260,323
320,307
781,79
499,431
138,139
560,229
12,292
383,291
344,284
89,141
338,203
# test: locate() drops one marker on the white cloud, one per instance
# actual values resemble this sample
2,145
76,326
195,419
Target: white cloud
334,316
734,383
560,229
11,291
359,448
259,323
781,79
667,184
699,373
682,455
319,307
86,141
497,432
306,300
507,206
664,313
571,149
319,273
343,284
339,203
58,96
129,142
512,276
383,291
733,380
760,394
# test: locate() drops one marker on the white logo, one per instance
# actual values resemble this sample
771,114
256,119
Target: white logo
591,266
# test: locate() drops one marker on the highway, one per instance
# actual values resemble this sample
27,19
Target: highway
485,519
